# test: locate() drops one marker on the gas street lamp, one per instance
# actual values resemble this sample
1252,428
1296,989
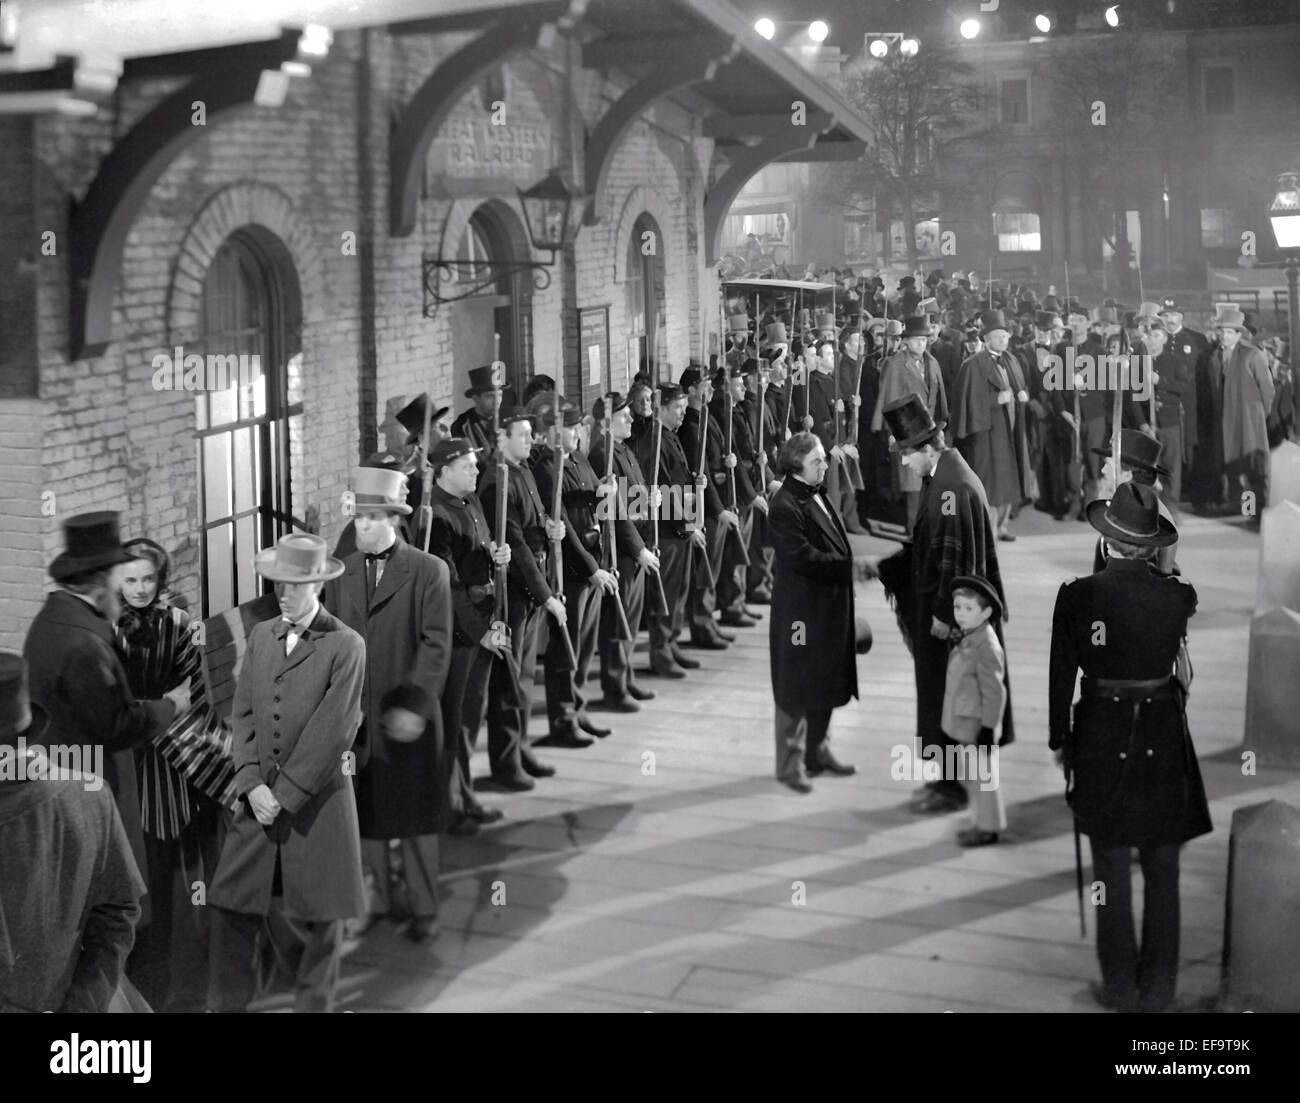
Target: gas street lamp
1284,214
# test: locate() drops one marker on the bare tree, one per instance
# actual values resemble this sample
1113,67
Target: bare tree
919,108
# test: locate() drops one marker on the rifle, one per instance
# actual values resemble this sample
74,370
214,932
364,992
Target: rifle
426,492
501,634
653,480
1117,427
1074,470
622,631
701,484
734,539
569,660
852,412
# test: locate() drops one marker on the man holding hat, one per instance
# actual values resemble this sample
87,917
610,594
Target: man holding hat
635,559
461,537
1132,778
73,890
529,530
952,536
988,426
291,864
398,599
77,678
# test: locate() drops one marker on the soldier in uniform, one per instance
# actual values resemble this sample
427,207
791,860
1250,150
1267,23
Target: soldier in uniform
528,530
1132,778
754,411
635,559
461,538
711,479
732,580
679,537
585,581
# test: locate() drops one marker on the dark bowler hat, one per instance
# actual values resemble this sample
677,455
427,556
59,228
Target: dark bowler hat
1132,516
670,392
909,422
91,541
916,327
907,281
1137,449
379,488
411,416
449,450
982,586
480,381
19,718
616,402
512,414
991,320
1046,319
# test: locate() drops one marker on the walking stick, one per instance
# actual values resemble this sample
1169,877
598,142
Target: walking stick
569,660
1078,878
654,512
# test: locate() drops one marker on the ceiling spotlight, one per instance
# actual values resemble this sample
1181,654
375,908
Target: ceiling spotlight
878,47
1043,22
818,30
909,46
970,28
766,28
1112,16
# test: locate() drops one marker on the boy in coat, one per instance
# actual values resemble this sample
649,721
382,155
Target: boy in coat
974,698
291,864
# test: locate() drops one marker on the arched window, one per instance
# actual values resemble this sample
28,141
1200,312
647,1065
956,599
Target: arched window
248,419
644,291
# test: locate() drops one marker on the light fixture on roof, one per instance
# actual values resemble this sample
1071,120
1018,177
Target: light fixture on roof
878,47
766,28
879,42
818,30
1044,22
315,40
970,28
1112,16
909,47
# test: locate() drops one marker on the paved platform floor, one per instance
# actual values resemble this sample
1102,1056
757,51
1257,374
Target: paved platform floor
664,869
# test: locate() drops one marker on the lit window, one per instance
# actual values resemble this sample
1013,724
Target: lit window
1018,232
1218,228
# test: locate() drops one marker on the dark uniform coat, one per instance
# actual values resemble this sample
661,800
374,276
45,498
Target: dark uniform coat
459,537
578,499
406,626
714,451
813,666
631,528
674,471
294,718
526,518
1134,776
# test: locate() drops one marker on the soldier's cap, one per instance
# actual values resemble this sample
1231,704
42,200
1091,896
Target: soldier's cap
670,392
750,367
690,378
616,402
1170,306
512,415
449,450
981,586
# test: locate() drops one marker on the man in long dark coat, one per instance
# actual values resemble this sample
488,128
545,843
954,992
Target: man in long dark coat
292,860
813,656
398,599
1132,776
988,421
953,536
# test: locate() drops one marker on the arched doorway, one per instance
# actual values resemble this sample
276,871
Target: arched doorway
645,297
502,306
249,432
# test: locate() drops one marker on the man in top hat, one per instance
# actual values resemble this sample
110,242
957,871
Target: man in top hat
461,537
911,370
1140,456
953,535
680,535
72,888
1242,384
291,864
1050,406
988,421
398,600
77,678
475,424
586,582
529,531
1132,779
636,560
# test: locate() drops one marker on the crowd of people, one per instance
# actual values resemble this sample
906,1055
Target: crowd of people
533,532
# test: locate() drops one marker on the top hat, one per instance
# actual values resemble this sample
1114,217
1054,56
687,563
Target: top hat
826,320
907,281
449,450
1137,449
411,416
391,407
916,327
616,402
1133,516
1046,319
480,381
18,716
991,320
776,334
379,488
1052,303
737,324
1230,318
91,541
1105,315
980,585
909,422
298,557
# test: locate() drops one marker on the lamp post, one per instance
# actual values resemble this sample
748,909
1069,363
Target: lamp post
1284,213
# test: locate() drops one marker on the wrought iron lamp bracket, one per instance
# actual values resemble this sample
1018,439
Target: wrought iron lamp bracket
449,280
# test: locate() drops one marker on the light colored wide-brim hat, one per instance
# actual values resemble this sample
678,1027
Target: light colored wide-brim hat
1230,318
379,488
298,557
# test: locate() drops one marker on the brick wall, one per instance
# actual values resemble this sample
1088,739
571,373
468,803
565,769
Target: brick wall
306,173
